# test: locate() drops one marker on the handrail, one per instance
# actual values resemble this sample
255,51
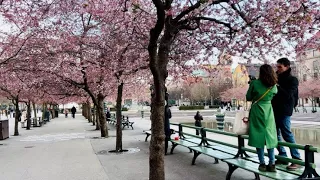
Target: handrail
221,132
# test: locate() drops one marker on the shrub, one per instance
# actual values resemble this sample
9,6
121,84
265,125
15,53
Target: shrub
214,106
190,107
114,109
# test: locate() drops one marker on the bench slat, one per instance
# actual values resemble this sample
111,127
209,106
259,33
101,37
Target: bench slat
183,143
212,153
253,167
193,140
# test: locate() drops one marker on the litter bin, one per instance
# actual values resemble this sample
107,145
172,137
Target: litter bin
4,129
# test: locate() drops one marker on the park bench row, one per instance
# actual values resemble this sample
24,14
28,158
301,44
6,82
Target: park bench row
125,121
239,156
40,122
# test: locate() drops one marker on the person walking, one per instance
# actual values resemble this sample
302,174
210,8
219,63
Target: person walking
262,127
73,111
198,118
66,111
283,104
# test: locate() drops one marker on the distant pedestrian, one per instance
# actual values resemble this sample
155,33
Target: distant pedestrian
198,118
108,115
262,126
73,111
66,111
283,104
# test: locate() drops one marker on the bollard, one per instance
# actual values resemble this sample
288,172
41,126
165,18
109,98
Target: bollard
142,114
220,121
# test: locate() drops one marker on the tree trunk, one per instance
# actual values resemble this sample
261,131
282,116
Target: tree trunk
159,58
89,112
44,109
28,115
102,116
35,114
94,116
17,115
119,118
97,120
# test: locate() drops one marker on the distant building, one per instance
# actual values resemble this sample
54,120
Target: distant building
309,62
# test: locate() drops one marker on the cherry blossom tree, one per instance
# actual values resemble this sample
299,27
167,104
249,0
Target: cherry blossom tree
245,27
310,89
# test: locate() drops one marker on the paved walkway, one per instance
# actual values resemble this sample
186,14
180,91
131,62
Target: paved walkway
65,149
57,151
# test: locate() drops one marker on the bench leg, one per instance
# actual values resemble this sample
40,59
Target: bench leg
131,126
190,150
147,137
195,155
216,161
173,146
257,177
232,168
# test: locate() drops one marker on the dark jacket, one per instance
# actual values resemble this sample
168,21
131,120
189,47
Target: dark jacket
73,110
287,97
167,116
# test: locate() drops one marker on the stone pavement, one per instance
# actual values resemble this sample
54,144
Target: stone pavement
68,149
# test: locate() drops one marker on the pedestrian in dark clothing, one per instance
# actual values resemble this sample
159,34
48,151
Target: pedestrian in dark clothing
108,115
283,104
167,116
73,111
198,118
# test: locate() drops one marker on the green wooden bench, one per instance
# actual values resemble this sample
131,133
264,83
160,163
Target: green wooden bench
186,139
238,156
219,150
126,122
252,163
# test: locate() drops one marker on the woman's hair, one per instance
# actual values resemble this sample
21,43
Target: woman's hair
267,75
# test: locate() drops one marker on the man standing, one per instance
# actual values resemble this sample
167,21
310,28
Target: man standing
73,111
167,116
283,104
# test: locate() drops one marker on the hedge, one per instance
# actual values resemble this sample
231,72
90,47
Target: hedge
214,106
190,107
123,109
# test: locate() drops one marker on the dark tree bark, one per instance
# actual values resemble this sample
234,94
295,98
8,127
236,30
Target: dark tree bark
159,57
89,112
44,109
97,121
28,115
17,115
35,122
119,118
102,116
94,116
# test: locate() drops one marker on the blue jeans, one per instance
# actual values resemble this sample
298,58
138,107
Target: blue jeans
283,124
260,152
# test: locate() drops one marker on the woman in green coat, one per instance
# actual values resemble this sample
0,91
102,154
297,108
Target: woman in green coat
262,127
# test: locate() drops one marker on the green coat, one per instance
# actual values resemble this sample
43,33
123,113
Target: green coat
262,127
